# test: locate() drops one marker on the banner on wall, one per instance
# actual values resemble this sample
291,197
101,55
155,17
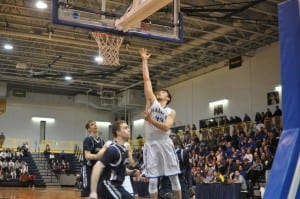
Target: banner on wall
273,98
218,109
2,106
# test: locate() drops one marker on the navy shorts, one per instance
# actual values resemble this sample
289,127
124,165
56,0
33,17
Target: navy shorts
108,190
86,172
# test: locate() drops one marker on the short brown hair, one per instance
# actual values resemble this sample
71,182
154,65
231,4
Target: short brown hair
116,126
169,94
87,124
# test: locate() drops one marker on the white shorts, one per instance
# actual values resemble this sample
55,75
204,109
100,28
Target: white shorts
160,159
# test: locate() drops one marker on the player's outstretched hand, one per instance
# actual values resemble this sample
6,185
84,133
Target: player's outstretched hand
144,54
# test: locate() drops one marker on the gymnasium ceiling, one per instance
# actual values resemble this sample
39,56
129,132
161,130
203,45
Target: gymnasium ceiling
214,31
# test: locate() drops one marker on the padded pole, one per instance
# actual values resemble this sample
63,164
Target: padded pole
139,12
283,171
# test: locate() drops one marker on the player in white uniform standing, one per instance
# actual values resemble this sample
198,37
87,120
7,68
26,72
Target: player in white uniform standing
159,154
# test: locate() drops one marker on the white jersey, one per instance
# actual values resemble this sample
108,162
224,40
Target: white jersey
160,158
160,114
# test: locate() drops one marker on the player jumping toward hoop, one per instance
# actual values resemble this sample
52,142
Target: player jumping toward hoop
159,154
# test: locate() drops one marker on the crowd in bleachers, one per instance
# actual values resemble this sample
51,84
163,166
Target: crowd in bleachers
58,162
60,166
234,151
11,164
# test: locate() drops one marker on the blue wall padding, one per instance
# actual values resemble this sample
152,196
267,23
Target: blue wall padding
287,154
284,165
289,32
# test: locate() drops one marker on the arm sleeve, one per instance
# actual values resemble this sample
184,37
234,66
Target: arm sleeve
111,155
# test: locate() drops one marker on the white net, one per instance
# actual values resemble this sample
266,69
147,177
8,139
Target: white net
109,46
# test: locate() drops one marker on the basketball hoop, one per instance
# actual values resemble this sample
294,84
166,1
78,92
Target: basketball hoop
109,46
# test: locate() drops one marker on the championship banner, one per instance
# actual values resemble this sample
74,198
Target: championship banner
2,106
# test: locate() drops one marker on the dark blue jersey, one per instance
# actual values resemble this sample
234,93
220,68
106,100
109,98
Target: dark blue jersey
92,145
183,157
115,160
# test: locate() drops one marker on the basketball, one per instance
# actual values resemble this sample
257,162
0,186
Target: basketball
145,26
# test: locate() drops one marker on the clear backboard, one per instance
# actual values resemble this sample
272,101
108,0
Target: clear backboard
166,23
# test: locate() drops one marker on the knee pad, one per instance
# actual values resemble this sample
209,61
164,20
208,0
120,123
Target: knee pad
153,185
175,183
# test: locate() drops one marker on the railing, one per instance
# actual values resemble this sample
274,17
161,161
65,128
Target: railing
56,146
209,132
13,143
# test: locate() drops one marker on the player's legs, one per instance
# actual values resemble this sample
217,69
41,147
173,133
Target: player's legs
107,190
185,192
176,186
153,182
86,181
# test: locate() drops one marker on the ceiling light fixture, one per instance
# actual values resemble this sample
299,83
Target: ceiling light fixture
41,5
99,123
219,102
278,88
8,47
138,122
68,77
99,59
46,119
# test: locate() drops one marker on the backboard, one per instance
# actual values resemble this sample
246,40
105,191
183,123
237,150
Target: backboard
165,24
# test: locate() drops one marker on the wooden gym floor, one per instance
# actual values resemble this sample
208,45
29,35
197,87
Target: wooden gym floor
39,193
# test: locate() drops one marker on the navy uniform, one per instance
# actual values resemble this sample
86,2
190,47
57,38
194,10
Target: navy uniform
115,160
93,145
165,184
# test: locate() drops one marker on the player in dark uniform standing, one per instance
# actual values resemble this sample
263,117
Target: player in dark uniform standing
112,167
165,189
93,147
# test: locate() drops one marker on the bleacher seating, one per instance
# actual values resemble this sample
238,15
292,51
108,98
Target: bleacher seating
75,165
32,170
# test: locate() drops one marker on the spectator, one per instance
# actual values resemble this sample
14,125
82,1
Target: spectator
13,172
277,112
24,168
268,165
47,150
62,155
258,118
255,171
209,177
194,128
218,177
3,155
25,149
237,119
2,138
263,117
8,155
238,178
277,117
248,156
2,178
18,167
31,180
246,118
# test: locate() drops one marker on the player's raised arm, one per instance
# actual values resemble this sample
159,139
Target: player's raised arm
148,90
